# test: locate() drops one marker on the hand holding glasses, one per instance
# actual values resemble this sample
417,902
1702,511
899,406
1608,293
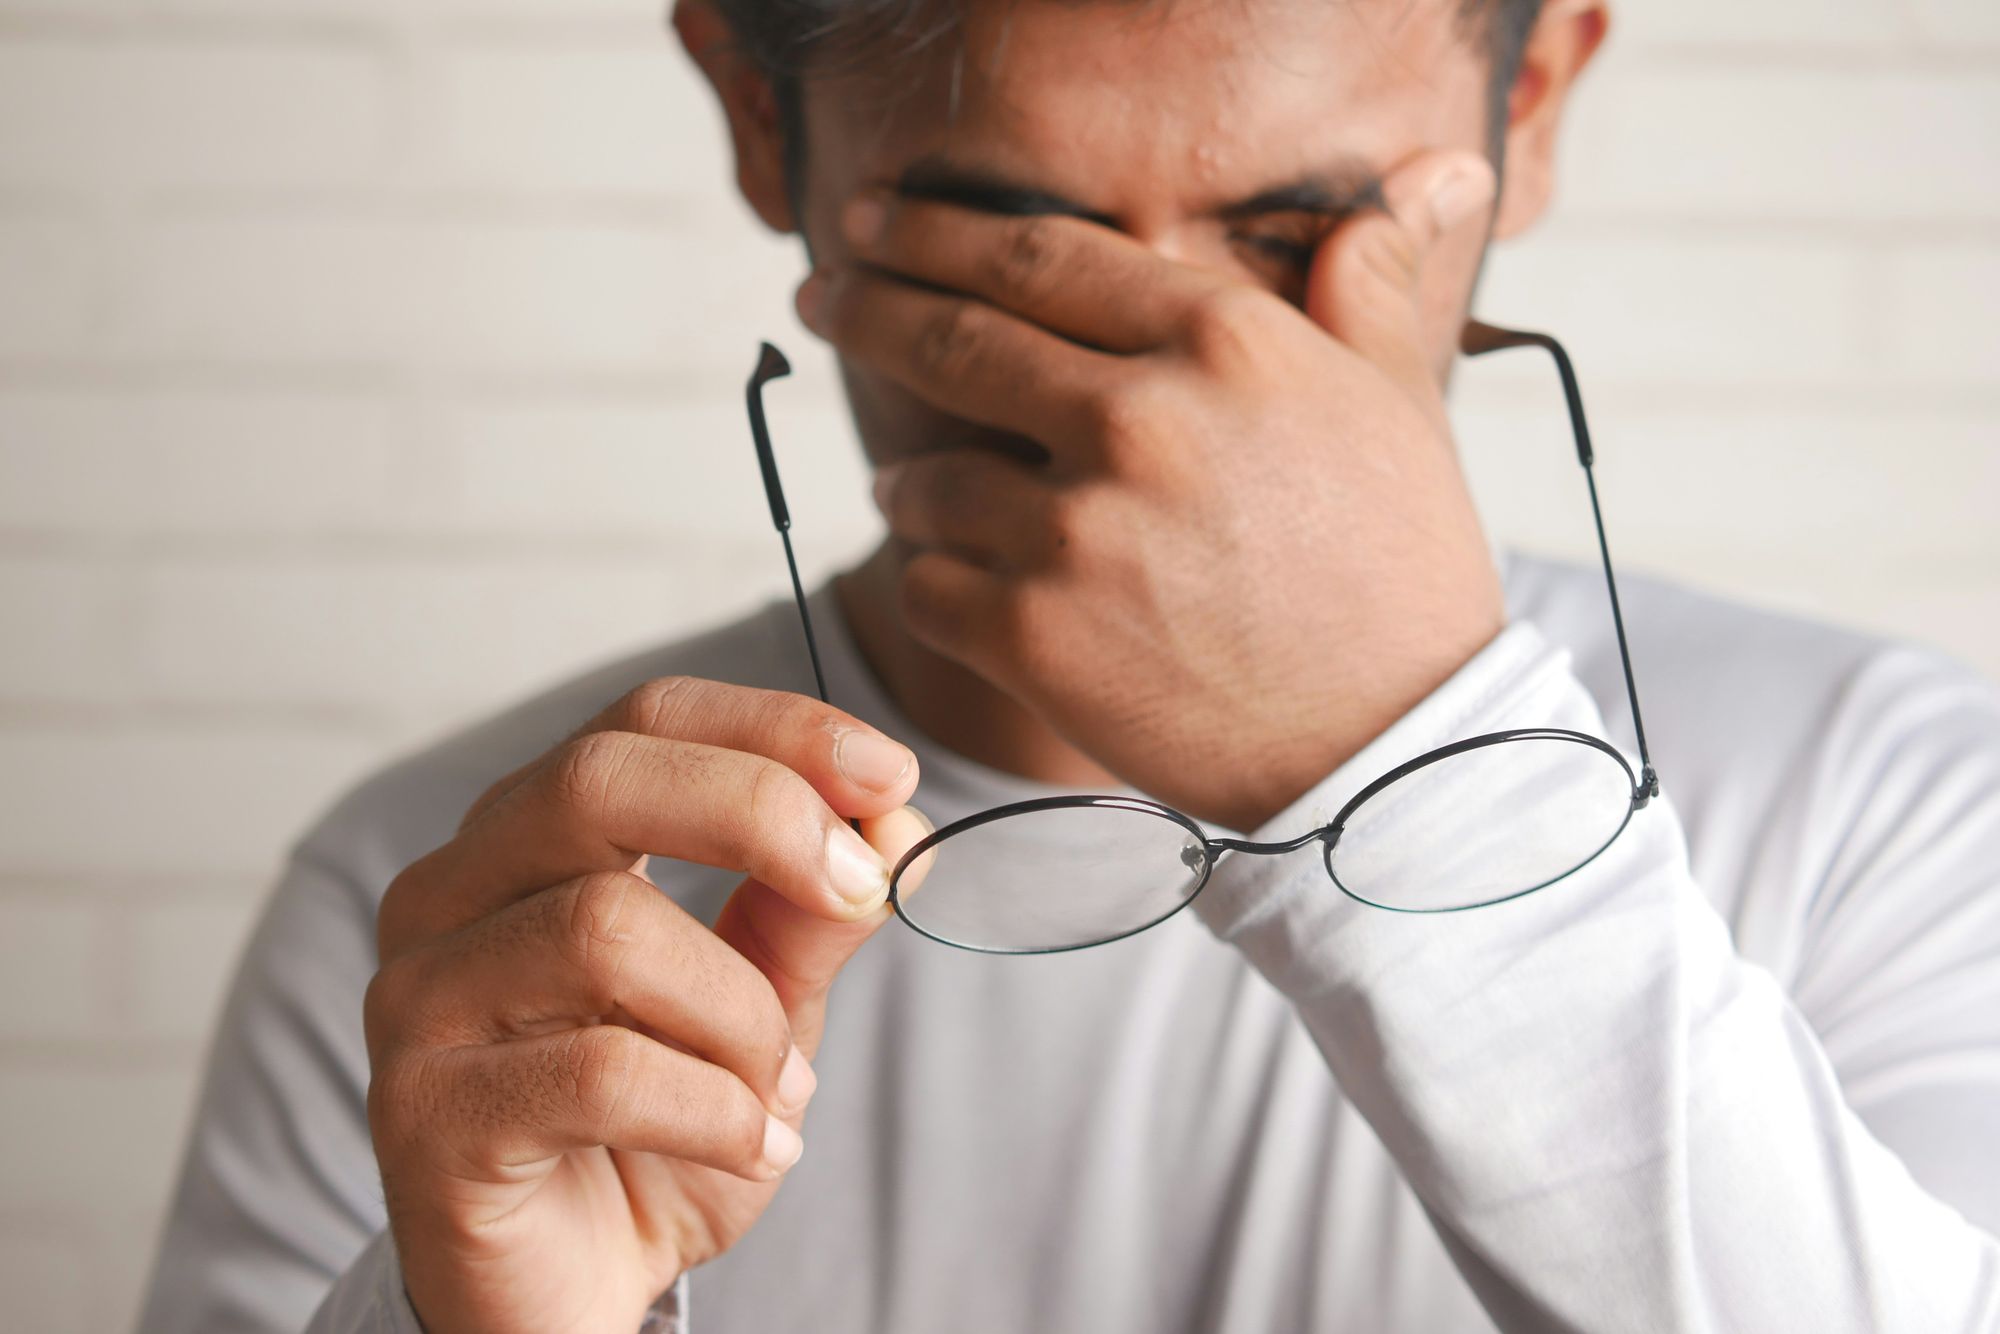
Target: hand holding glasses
1068,872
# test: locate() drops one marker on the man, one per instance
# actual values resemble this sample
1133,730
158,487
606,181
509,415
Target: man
1145,314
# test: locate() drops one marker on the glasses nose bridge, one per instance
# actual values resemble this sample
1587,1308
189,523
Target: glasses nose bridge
1218,845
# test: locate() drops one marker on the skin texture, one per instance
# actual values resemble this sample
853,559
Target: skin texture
1166,489
1172,498
578,1091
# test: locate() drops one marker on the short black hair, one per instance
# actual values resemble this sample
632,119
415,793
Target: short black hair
783,37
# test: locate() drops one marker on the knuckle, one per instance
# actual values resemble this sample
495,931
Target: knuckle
598,1067
399,1092
396,916
660,707
603,923
1125,419
387,1002
1063,526
584,770
777,797
1041,638
784,716
949,340
1021,266
415,906
1227,325
935,487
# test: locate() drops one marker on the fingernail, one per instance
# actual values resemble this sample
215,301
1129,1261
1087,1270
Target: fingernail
1460,193
862,219
796,1081
857,874
809,298
782,1145
874,761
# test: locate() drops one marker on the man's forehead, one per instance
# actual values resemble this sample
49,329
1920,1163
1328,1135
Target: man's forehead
1098,100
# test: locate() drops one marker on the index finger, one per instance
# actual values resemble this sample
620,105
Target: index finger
1089,283
601,801
691,748
856,769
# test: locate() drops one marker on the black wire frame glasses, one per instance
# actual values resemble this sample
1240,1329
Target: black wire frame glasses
1068,872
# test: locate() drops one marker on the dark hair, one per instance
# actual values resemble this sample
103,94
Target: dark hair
782,36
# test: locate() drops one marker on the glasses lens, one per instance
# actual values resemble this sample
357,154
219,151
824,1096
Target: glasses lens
1483,824
1054,878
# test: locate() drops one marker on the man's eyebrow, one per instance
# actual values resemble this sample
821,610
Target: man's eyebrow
1335,192
939,178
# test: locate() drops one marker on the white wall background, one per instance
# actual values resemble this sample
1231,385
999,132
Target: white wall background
365,363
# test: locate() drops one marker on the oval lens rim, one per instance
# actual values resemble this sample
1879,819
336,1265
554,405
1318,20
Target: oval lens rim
1085,801
1331,841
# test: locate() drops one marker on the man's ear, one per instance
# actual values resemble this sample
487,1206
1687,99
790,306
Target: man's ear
749,104
1564,38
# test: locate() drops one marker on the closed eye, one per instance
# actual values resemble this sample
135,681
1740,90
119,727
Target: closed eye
1290,237
1295,254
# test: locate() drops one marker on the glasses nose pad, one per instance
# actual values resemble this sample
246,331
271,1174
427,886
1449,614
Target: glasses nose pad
1194,855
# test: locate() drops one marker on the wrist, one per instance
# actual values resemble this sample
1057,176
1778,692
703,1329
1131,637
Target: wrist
1518,679
1282,760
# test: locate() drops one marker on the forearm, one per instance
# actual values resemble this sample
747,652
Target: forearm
1615,1121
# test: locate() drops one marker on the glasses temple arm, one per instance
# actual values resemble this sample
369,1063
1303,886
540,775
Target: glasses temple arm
771,365
1479,339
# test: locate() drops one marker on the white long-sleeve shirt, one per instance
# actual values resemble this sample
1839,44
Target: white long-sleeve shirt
1741,1073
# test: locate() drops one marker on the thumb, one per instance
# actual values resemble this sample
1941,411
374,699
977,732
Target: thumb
1364,284
802,953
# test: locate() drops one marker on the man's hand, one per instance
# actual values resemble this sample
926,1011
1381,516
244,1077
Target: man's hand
1249,548
579,1091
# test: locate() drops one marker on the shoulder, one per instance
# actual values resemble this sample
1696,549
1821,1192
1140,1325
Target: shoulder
1710,668
412,805
1685,640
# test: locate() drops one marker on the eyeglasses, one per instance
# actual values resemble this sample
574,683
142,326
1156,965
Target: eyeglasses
1068,872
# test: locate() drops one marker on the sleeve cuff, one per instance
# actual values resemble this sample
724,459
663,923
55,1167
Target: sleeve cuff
370,1299
668,1315
1518,680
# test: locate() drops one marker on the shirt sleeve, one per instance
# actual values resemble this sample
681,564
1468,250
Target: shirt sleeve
1613,1120
277,1222
369,1298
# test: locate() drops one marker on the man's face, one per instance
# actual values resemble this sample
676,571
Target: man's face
1225,134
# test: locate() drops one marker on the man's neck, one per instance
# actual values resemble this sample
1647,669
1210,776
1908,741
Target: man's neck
948,702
